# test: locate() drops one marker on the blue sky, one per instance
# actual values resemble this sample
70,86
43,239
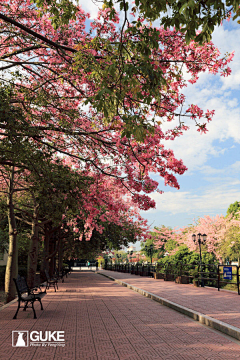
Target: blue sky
212,181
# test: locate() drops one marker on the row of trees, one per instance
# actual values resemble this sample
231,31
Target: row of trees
223,237
80,123
53,207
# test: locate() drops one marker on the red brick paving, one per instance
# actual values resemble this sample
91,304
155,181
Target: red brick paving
221,305
103,320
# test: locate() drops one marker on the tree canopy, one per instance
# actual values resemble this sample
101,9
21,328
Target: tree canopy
234,209
196,19
81,118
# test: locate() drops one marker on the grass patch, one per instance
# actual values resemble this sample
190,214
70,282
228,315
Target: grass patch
232,287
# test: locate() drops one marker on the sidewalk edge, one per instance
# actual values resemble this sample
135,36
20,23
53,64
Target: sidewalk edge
8,304
203,319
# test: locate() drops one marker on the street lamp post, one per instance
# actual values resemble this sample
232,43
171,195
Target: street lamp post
201,240
110,257
149,250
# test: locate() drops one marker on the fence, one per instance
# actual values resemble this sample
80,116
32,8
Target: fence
212,275
83,265
137,269
226,275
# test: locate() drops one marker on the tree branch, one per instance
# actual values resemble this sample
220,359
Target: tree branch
36,35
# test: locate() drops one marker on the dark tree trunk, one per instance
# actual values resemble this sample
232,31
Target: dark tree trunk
45,262
33,250
52,245
12,263
60,254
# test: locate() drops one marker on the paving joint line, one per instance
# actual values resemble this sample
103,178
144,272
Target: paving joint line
225,328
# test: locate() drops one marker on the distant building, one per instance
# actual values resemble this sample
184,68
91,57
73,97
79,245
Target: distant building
132,248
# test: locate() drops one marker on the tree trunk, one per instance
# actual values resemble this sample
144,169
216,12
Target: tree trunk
33,250
44,262
60,255
12,263
52,259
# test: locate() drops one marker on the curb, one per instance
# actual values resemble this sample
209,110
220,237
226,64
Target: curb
203,319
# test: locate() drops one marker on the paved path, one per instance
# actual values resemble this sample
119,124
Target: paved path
103,320
221,305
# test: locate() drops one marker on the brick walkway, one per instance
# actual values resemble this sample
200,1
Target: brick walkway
221,305
103,320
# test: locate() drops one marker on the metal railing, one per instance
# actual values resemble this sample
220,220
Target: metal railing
136,269
212,275
226,276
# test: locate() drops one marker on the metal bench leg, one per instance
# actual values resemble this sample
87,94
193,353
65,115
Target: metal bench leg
40,303
25,307
34,311
15,316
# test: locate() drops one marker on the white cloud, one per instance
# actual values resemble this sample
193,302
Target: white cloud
236,166
209,170
232,169
228,41
214,199
213,93
90,7
233,103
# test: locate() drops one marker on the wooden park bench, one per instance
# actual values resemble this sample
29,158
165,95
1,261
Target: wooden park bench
51,281
27,295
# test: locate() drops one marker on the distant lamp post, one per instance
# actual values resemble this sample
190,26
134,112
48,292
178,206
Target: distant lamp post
200,239
149,250
119,256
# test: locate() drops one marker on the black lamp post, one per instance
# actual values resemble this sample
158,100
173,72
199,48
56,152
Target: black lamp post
119,257
149,250
201,240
